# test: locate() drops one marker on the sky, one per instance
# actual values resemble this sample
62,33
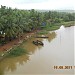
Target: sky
40,4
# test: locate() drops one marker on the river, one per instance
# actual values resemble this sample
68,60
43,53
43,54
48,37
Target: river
58,50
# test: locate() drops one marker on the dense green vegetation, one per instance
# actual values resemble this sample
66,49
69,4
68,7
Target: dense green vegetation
15,22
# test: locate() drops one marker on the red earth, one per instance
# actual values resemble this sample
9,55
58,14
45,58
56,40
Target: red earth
15,41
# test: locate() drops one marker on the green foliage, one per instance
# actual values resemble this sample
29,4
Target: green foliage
68,24
57,25
14,22
17,52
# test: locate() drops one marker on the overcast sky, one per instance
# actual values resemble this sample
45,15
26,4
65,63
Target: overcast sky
40,4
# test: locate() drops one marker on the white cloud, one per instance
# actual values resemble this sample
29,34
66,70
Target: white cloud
46,4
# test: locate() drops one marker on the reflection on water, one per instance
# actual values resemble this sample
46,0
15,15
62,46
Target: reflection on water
58,49
10,64
32,48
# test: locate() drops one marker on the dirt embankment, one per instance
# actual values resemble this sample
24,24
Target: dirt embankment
16,42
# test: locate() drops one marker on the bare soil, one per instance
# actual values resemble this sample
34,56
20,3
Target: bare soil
10,44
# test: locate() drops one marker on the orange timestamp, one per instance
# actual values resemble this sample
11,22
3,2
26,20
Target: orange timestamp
64,67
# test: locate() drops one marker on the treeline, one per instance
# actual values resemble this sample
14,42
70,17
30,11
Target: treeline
14,22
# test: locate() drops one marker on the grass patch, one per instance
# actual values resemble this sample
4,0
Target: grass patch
18,51
54,28
57,25
68,24
50,28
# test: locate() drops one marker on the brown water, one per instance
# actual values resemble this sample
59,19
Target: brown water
58,50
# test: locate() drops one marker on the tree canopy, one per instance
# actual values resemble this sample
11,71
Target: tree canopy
14,22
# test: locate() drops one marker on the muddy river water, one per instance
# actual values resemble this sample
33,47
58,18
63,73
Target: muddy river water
58,50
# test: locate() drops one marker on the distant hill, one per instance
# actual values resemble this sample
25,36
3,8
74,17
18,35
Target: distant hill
68,11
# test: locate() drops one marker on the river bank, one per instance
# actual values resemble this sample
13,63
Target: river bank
14,44
6,48
57,25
